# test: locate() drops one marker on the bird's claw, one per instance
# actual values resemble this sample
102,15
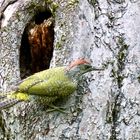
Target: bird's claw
55,108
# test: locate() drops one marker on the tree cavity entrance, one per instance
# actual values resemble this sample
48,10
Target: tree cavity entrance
36,49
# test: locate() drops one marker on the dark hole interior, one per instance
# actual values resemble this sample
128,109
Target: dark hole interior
41,15
36,49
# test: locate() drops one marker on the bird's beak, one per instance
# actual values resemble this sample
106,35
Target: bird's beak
92,69
95,69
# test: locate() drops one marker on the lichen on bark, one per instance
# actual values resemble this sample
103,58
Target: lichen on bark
107,103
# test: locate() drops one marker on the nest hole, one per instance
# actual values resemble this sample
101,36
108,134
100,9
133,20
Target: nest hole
36,49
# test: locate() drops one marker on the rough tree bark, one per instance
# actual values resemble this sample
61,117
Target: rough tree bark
106,105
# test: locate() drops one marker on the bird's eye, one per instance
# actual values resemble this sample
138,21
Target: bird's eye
87,66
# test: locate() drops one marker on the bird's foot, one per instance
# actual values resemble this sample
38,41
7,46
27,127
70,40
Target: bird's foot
55,108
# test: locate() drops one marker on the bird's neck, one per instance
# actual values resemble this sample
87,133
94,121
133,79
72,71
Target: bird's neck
73,74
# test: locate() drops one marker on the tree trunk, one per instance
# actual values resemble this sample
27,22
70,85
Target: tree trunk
106,105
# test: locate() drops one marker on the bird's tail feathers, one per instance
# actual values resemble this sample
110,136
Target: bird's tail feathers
4,95
9,99
8,103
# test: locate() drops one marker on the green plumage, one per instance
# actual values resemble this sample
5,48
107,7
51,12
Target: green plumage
45,86
49,85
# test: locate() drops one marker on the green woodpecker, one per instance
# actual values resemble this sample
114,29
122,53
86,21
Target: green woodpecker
49,85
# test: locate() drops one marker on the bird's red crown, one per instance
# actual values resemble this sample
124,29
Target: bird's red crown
77,62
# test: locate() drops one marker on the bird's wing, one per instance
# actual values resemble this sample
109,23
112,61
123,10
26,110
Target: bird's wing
28,83
34,79
51,88
44,82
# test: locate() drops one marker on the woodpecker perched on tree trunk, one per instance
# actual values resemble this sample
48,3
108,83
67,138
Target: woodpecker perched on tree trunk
49,85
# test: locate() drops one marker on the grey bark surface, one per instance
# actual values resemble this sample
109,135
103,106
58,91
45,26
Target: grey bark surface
106,105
